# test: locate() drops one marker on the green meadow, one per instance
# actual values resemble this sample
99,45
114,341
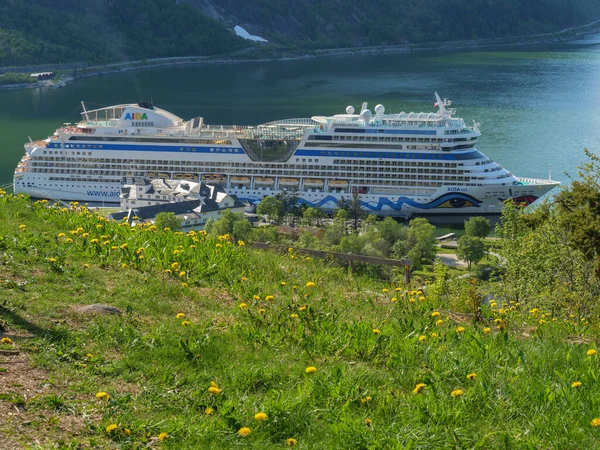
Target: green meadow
219,345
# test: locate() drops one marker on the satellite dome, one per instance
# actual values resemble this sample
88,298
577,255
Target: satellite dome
366,115
380,109
349,109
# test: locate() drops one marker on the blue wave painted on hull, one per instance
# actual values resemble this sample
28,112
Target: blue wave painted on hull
454,200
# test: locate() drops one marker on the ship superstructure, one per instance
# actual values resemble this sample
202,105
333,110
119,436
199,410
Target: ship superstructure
397,164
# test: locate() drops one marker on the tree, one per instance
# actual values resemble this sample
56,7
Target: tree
242,229
167,220
391,231
420,242
289,199
356,212
470,249
478,227
272,208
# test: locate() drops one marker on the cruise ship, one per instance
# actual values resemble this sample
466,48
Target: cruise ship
400,164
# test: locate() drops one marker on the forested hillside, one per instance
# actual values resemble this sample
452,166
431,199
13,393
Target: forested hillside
43,31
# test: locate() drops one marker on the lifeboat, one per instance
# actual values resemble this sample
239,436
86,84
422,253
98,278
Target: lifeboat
151,175
264,181
289,182
163,175
338,183
215,178
313,182
178,176
190,176
240,180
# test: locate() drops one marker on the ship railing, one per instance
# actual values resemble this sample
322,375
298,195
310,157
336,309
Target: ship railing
535,181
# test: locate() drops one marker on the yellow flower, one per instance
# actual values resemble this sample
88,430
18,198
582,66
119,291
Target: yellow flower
471,376
162,436
269,298
241,243
214,390
123,247
487,330
214,384
368,422
182,274
576,384
111,427
166,229
434,335
180,315
439,322
302,308
127,431
218,245
94,241
124,266
421,298
86,266
244,431
595,422
394,299
293,316
69,241
385,290
457,393
376,331
311,369
291,442
591,352
418,388
52,260
261,416
422,338
460,330
256,298
435,314
261,311
102,394
185,285
61,235
175,265
22,226
310,284
367,399
243,306
244,279
208,411
6,340
283,283
185,323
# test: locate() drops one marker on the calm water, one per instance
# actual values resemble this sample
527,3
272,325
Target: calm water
536,107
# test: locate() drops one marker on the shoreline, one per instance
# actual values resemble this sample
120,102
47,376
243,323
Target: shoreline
566,35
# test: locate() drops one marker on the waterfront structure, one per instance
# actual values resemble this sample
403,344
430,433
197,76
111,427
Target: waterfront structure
396,164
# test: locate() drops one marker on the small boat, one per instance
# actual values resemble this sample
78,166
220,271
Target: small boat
240,180
214,178
151,175
178,176
338,183
313,182
190,176
264,181
289,182
163,175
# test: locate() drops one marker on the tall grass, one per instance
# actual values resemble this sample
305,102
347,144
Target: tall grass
214,332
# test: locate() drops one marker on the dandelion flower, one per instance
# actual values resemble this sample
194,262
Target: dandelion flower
435,314
368,422
180,315
214,390
208,411
182,274
419,388
69,241
310,284
471,376
576,384
218,246
261,416
241,243
367,399
422,338
243,306
460,330
434,335
111,427
214,384
175,265
256,298
595,422
86,266
262,311
291,442
439,322
422,298
385,290
6,340
244,431
394,299
102,394
311,369
293,316
185,323
376,331
487,330
162,436
185,285
127,431
283,283
456,393
269,298
591,352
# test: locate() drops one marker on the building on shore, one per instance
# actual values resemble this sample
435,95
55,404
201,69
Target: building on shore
193,203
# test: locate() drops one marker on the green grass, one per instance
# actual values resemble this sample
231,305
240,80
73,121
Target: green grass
363,336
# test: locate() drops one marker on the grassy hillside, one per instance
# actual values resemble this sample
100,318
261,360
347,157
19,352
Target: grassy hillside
222,346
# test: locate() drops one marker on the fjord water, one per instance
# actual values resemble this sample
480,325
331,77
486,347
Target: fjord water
538,107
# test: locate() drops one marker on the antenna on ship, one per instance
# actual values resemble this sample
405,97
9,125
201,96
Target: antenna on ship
440,104
550,172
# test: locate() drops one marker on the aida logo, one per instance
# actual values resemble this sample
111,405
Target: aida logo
135,116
